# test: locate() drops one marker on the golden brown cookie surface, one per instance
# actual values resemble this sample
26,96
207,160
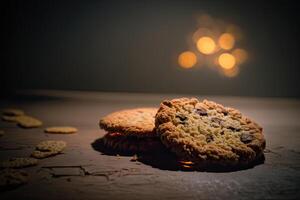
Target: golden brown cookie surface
25,121
136,122
61,130
208,133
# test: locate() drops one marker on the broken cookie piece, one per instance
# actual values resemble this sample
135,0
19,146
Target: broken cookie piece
12,112
25,121
12,178
61,130
18,162
49,148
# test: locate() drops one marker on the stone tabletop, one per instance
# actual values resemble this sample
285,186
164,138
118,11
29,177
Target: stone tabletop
84,172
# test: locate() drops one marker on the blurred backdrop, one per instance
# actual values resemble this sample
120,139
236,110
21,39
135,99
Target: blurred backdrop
152,47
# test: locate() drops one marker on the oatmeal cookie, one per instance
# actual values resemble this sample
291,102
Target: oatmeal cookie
208,133
135,122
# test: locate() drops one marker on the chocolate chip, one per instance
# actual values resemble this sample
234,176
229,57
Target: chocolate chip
233,128
225,113
181,117
201,111
167,103
246,137
209,138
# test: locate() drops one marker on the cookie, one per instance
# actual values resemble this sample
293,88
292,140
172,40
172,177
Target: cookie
43,154
48,148
51,145
132,144
9,118
61,130
18,162
25,121
13,112
209,134
134,122
11,178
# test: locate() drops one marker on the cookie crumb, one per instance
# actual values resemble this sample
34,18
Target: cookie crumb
18,162
61,130
13,112
134,158
12,178
48,148
25,121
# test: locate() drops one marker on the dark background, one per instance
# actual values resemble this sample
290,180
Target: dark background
132,46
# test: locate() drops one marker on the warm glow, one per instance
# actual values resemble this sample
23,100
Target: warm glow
231,72
186,162
227,61
226,41
236,31
187,166
206,45
187,59
240,55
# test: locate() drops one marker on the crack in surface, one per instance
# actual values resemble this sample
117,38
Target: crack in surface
108,174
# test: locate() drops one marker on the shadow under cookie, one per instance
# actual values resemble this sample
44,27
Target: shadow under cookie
150,151
166,160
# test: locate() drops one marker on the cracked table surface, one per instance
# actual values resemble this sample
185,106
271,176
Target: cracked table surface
82,172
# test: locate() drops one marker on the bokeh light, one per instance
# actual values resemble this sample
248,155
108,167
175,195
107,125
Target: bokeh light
231,72
227,60
226,41
219,45
235,31
206,45
201,32
240,55
187,59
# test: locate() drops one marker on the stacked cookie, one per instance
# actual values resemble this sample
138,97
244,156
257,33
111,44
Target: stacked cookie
203,133
131,131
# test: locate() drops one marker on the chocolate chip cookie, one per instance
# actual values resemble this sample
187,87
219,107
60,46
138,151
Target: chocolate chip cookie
209,134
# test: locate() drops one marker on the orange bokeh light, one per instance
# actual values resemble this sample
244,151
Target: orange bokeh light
240,55
206,45
187,59
226,41
227,60
231,72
